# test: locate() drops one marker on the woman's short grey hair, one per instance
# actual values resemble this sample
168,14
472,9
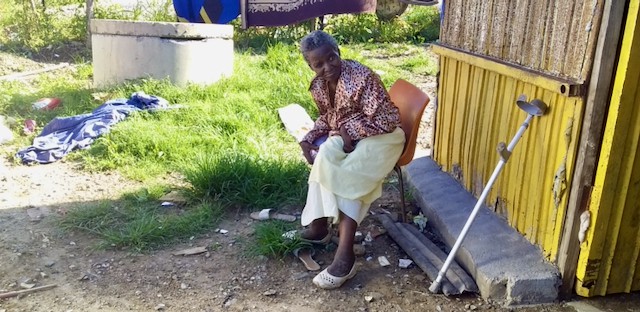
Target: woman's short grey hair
316,39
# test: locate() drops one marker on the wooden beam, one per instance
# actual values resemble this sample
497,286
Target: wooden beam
597,102
243,13
88,15
562,86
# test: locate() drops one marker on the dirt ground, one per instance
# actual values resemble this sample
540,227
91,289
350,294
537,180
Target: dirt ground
34,252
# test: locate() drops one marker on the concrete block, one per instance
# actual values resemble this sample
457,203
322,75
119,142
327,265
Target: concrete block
507,268
182,52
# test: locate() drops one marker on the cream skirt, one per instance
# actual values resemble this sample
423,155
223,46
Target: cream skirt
350,182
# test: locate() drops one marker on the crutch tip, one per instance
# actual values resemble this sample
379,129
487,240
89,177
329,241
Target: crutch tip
434,288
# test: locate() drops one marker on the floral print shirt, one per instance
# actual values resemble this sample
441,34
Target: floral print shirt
362,104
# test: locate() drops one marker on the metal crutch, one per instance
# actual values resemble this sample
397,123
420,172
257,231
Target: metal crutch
533,108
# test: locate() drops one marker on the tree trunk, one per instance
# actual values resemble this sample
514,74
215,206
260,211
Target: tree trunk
89,14
33,7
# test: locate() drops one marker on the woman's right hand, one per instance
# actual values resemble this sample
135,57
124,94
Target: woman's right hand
306,150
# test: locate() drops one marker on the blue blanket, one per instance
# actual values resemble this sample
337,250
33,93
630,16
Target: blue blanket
65,134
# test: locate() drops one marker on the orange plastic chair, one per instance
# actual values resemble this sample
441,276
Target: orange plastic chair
411,103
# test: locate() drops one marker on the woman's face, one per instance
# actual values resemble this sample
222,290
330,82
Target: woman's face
325,62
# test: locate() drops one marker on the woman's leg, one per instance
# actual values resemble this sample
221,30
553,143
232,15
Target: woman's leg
345,257
318,229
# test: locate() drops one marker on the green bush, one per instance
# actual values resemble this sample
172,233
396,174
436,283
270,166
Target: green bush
417,25
25,29
63,21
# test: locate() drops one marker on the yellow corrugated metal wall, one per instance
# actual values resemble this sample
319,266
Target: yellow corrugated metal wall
477,110
491,52
609,258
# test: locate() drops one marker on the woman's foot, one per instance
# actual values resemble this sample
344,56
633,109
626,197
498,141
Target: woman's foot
310,235
318,230
340,271
342,263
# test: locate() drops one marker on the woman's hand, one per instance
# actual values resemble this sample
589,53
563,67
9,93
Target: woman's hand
306,151
348,145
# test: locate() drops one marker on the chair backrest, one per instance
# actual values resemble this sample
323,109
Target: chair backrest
411,102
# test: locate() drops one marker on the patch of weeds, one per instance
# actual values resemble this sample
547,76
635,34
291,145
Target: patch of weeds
215,246
268,240
247,181
419,64
137,221
146,194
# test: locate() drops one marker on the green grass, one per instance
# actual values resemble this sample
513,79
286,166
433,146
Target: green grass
268,240
248,181
138,223
227,140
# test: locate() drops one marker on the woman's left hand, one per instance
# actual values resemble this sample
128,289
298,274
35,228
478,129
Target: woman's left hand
348,145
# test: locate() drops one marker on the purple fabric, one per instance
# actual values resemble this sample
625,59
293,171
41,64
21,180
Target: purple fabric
282,12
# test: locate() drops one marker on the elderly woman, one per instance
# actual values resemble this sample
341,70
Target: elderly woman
363,143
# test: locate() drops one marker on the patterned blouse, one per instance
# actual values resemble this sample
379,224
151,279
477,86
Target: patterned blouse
362,104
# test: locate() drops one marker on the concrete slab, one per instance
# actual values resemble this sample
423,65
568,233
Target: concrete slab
507,268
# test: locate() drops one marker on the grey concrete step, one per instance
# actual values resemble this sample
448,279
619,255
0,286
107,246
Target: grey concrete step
507,268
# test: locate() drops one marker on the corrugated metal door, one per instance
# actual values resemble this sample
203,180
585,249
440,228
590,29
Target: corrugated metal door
609,258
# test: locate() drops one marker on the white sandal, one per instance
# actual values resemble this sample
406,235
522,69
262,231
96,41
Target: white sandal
325,280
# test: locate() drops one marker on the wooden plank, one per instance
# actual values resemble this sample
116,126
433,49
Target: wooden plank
557,85
592,38
577,106
486,16
499,28
468,22
16,293
518,24
577,50
535,33
548,36
563,11
409,247
590,138
456,19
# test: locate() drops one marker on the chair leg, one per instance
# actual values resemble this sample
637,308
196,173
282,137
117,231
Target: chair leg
401,182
